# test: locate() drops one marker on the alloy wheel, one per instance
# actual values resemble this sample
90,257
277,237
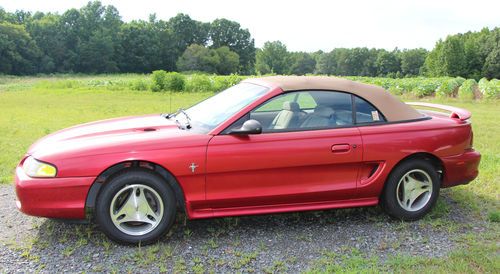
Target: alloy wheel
414,190
136,209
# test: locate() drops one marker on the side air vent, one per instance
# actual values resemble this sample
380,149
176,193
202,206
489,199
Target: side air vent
369,171
375,167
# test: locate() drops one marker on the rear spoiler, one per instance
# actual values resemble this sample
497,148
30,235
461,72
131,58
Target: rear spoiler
456,113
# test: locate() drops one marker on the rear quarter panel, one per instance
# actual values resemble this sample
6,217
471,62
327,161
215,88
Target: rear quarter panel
390,143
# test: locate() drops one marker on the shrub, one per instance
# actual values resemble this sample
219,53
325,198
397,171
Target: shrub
224,82
159,80
406,86
466,90
199,82
492,90
447,88
425,88
395,90
482,84
175,81
139,84
460,80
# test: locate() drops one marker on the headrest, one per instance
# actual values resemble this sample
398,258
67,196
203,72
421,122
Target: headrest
323,111
291,106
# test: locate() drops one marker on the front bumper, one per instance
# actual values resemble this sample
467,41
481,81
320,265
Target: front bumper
461,169
52,197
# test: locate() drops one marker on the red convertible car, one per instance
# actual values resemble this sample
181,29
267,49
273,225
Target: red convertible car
266,145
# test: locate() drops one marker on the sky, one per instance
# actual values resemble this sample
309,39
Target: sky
312,25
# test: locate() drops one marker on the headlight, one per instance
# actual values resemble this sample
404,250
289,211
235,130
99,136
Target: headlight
34,168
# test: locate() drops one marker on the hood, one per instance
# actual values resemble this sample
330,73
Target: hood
126,134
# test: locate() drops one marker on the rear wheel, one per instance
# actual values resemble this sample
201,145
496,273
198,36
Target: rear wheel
411,190
136,207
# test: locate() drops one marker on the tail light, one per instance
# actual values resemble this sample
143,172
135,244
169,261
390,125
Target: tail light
471,142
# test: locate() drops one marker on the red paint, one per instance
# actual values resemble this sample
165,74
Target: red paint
456,113
54,198
255,174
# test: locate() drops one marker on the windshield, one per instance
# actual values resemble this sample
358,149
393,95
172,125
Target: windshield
210,113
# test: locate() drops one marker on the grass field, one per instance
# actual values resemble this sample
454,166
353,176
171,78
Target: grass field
33,107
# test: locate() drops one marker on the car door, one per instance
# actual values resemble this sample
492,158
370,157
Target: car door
303,163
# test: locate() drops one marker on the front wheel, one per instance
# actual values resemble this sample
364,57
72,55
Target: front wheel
136,207
411,190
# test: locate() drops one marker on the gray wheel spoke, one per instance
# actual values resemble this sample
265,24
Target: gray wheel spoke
144,205
127,210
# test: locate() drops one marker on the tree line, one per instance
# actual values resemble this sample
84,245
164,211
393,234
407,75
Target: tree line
94,39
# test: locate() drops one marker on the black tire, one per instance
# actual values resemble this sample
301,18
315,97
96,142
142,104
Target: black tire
389,198
130,178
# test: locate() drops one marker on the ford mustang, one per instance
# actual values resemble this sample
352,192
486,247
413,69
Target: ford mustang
266,145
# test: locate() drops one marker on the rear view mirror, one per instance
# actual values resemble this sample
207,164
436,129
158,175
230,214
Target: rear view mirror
249,127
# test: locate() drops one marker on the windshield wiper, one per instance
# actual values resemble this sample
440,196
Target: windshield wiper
188,119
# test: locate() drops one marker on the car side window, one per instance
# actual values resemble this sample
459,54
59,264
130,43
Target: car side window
303,110
277,103
366,112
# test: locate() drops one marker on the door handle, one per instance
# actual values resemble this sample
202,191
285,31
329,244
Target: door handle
341,148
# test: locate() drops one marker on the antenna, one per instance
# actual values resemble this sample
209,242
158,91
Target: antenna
170,98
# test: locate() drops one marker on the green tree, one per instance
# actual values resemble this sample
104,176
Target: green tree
18,52
138,47
412,60
327,64
229,61
165,36
447,58
93,39
20,17
45,31
187,31
97,54
354,61
474,61
99,48
228,33
3,15
302,63
146,46
491,67
454,56
198,58
70,32
369,67
387,63
273,58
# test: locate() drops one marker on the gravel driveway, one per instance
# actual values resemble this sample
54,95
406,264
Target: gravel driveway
269,243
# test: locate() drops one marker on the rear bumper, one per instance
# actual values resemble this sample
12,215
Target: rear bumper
52,197
461,169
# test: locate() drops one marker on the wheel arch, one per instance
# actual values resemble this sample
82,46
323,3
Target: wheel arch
113,170
426,156
389,203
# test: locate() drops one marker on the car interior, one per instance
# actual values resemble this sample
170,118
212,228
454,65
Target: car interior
313,110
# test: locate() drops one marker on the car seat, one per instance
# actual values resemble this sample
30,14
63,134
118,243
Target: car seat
287,117
322,116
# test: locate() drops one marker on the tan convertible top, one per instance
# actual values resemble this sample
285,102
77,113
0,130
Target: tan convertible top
392,108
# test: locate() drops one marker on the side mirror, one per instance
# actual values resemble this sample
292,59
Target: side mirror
249,127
